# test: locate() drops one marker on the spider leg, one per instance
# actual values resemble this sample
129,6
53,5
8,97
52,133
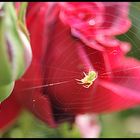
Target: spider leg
84,74
78,80
80,83
87,86
90,84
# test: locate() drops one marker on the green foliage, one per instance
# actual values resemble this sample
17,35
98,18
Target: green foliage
27,126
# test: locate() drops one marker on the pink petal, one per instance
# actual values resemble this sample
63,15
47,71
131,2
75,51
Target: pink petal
116,19
88,125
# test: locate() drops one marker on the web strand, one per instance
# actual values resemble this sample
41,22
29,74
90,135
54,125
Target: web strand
48,85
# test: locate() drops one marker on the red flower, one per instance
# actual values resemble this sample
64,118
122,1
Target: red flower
60,58
96,22
49,88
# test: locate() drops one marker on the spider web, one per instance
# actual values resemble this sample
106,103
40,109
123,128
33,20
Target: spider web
132,36
132,33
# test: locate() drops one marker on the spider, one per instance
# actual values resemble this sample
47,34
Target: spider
88,79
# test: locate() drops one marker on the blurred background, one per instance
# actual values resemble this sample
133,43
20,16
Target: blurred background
115,125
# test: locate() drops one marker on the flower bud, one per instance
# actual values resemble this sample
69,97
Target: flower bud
15,51
6,90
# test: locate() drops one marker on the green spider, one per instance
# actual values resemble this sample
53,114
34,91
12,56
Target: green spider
88,80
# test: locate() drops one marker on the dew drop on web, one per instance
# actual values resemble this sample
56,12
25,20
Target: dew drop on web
91,22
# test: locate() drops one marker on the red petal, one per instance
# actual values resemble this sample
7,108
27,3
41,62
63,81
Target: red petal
122,92
36,14
27,91
9,111
66,60
31,96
